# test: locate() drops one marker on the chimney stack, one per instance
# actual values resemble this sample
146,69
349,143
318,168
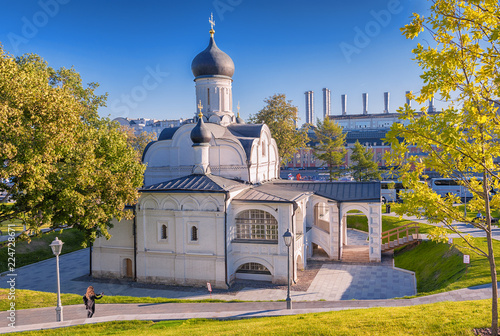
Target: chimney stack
343,100
309,107
408,101
365,103
431,105
327,104
386,102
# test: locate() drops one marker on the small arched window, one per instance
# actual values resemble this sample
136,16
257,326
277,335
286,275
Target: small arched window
208,96
164,232
194,233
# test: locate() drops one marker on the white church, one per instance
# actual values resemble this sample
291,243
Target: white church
213,209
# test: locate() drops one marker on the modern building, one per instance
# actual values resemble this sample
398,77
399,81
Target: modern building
213,209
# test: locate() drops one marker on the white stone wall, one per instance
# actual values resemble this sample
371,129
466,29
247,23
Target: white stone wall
108,256
179,259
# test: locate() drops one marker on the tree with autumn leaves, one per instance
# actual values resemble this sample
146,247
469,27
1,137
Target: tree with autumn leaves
63,165
281,117
460,66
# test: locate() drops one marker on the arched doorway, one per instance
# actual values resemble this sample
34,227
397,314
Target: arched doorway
355,243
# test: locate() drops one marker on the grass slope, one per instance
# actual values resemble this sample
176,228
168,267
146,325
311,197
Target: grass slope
38,249
27,299
436,265
439,267
446,318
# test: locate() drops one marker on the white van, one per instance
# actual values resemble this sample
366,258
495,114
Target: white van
445,186
389,191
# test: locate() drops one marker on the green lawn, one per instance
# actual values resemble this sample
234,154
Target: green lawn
360,222
439,267
38,249
446,318
27,299
15,224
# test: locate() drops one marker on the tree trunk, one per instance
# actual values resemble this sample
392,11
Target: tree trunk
494,287
491,257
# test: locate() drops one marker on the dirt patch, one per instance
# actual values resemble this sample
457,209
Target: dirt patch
483,331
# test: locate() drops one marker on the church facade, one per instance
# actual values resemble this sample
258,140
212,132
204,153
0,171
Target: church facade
213,209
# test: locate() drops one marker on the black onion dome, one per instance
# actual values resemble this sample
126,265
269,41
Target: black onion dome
240,120
212,62
200,133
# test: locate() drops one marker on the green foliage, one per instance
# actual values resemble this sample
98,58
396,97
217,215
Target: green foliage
281,116
363,167
331,146
67,165
461,67
138,142
38,249
444,318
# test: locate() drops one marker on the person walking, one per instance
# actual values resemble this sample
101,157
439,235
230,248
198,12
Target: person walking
89,300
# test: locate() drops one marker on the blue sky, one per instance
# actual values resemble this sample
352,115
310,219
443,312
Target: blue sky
141,51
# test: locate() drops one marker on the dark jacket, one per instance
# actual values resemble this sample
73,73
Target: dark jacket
90,303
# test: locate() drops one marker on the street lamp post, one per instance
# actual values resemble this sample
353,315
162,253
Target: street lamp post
287,236
56,246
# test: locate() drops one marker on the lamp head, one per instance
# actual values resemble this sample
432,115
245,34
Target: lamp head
56,246
287,236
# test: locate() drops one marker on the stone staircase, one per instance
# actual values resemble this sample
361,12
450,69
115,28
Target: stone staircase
356,254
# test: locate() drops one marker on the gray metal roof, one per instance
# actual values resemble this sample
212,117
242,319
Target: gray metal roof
244,133
246,130
168,133
146,149
271,193
338,191
196,183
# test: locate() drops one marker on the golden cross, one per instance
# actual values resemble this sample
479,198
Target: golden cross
238,107
200,114
211,20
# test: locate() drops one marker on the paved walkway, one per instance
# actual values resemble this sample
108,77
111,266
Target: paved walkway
356,237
